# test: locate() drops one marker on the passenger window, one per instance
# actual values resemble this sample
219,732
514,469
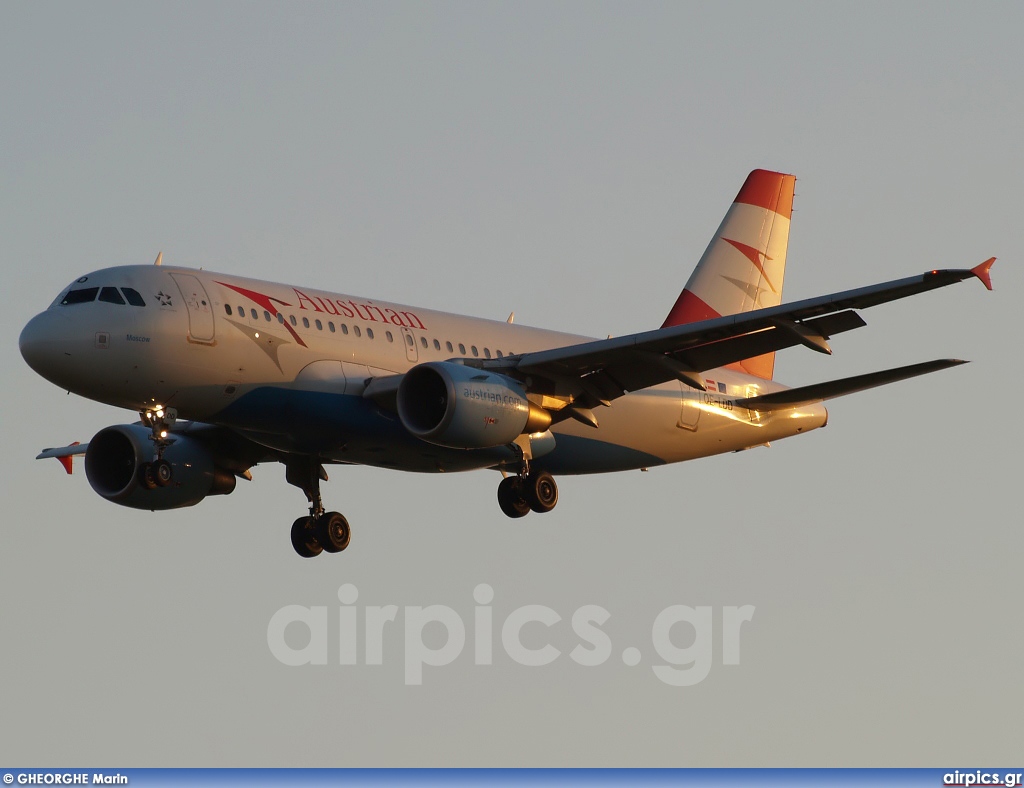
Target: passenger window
111,296
266,315
134,297
358,333
319,326
344,328
390,336
305,322
409,340
227,308
462,349
437,345
83,296
292,319
241,311
254,315
487,352
498,352
475,352
330,325
280,318
423,341
369,333
449,346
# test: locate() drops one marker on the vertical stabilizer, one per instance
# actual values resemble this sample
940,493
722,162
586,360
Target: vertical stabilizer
745,263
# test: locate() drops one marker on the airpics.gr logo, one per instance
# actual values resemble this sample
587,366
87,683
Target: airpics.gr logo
527,635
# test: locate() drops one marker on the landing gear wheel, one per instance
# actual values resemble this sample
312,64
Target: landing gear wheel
511,498
333,532
304,538
541,492
162,472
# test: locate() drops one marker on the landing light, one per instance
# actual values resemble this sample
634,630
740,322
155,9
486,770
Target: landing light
257,335
160,413
163,433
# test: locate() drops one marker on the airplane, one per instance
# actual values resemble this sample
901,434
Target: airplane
227,372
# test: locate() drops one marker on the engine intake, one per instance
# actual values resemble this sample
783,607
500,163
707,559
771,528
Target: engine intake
462,407
114,460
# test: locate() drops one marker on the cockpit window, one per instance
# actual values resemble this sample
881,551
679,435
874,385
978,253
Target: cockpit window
133,296
81,296
111,296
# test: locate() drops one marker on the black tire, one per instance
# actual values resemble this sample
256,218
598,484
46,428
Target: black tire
163,473
304,538
541,492
147,476
333,532
511,498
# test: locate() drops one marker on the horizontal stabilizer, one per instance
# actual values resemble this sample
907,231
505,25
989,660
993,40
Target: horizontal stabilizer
805,395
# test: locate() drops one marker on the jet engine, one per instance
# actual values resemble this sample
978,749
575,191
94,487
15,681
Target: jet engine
450,404
116,459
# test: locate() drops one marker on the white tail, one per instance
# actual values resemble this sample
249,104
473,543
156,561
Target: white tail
744,265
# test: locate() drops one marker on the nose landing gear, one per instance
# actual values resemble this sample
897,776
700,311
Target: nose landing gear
159,472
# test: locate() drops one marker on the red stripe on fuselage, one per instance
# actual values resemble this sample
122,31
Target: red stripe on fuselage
265,301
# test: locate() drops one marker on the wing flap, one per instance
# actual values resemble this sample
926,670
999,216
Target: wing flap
805,395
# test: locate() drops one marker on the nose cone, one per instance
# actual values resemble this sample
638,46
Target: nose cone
45,343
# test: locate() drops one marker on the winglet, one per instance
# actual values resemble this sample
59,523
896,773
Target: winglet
982,272
66,460
64,454
159,258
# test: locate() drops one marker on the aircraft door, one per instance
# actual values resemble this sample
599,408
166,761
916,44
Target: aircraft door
200,312
689,413
411,353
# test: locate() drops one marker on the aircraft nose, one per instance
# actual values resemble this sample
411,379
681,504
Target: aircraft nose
44,342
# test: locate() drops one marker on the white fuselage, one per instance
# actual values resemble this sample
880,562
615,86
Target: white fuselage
287,366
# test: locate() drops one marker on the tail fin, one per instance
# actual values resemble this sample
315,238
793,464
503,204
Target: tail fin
745,263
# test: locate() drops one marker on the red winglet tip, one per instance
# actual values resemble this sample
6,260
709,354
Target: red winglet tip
982,272
66,461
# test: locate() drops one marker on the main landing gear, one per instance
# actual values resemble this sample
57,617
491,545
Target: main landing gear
159,472
320,531
519,495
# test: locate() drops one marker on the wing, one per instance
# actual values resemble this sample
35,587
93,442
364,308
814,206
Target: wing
597,372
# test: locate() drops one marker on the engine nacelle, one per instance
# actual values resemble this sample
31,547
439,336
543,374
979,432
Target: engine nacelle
466,408
114,460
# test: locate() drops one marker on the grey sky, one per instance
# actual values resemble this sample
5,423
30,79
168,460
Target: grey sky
569,161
